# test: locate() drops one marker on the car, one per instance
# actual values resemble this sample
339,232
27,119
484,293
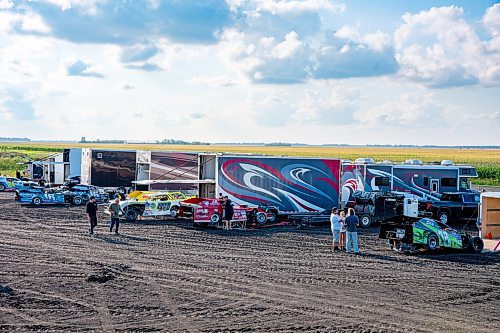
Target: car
78,194
10,184
410,235
152,204
261,214
209,211
39,195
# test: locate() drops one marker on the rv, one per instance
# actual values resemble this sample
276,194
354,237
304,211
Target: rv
425,181
57,168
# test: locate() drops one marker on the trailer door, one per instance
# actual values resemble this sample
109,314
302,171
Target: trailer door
434,185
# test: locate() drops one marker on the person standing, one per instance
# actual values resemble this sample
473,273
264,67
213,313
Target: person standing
336,225
342,230
92,214
228,212
352,223
115,211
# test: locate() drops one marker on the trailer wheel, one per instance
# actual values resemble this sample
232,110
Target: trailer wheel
174,212
273,216
36,201
432,242
215,218
77,200
365,220
443,216
476,244
2,187
131,215
261,218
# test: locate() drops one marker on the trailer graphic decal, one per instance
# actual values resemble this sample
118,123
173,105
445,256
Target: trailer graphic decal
288,184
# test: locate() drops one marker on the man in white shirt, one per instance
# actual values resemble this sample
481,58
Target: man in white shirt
336,225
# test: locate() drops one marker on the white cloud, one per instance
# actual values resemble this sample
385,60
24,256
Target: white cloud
290,46
220,80
439,48
6,4
408,110
286,6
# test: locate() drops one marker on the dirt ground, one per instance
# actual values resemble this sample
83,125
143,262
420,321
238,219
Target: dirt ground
167,276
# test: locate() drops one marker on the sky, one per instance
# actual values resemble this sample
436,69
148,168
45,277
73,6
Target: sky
311,71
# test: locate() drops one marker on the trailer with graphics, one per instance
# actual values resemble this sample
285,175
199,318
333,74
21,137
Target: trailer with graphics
292,185
424,181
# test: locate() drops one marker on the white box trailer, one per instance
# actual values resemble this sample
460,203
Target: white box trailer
489,220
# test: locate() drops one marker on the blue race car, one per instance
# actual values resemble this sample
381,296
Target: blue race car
39,195
10,183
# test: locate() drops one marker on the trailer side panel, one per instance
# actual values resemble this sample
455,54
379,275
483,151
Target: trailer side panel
113,168
174,166
290,184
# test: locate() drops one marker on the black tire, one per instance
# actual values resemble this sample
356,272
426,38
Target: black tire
432,242
443,216
77,201
261,218
273,216
215,218
130,190
476,244
174,212
2,187
131,215
365,221
36,201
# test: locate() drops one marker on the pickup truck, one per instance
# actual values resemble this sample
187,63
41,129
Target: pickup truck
455,206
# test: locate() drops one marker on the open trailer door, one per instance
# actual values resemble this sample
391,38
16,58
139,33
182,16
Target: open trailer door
489,219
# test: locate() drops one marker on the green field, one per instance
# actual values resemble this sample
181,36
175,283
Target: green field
486,161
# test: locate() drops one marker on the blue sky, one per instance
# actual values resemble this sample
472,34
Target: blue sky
312,71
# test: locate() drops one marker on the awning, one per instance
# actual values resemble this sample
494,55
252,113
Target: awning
174,181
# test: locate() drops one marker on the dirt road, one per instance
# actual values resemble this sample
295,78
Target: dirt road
166,276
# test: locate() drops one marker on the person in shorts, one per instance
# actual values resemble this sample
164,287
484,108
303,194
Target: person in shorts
228,212
342,230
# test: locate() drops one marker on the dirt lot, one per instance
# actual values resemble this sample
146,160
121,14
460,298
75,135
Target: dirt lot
166,276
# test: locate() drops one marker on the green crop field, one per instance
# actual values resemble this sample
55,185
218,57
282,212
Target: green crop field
486,161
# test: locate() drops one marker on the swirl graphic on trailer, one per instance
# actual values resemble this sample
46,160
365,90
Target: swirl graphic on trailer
289,184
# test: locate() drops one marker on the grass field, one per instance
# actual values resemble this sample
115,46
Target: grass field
486,161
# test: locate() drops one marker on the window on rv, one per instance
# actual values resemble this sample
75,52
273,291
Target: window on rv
464,184
448,182
382,181
465,171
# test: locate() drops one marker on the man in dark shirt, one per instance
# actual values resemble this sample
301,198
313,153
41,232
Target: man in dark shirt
228,212
352,223
92,214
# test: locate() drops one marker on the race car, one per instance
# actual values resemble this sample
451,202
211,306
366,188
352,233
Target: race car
152,204
10,183
261,214
78,194
410,235
205,211
39,195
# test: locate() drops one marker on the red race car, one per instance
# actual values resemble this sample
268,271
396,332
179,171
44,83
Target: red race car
208,211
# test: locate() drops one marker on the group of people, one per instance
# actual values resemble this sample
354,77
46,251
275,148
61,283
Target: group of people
344,230
114,209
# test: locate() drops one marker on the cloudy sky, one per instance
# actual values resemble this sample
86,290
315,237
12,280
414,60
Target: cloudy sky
312,71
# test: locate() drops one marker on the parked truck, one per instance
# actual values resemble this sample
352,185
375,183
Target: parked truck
455,206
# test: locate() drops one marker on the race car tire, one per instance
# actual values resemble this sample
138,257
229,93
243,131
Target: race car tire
122,192
365,220
174,212
130,190
432,242
215,218
2,188
476,244
261,218
273,216
36,201
443,216
77,201
131,215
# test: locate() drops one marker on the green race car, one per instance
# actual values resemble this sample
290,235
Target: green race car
413,234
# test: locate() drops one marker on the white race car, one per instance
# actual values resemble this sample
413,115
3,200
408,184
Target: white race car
152,204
